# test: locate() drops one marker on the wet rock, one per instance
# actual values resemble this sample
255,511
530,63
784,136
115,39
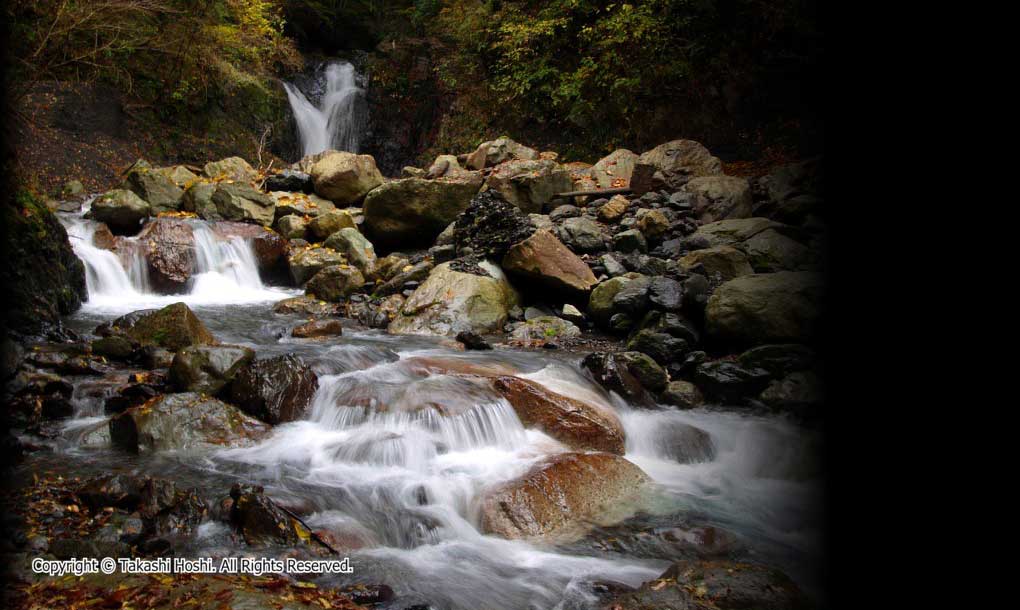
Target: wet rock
173,327
452,301
307,262
352,244
661,347
542,329
561,497
368,594
121,210
236,201
665,293
290,180
671,165
260,521
329,222
231,168
335,283
269,247
766,308
615,169
103,238
801,392
725,261
208,369
306,306
684,443
497,151
727,381
729,585
581,234
155,187
614,374
632,298
131,395
169,248
318,328
411,212
545,262
183,421
275,390
529,184
651,376
631,240
119,491
473,341
490,226
682,394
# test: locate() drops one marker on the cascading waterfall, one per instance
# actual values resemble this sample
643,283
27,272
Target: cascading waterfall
339,119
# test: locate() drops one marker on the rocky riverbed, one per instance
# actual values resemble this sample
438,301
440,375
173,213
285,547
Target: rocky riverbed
485,392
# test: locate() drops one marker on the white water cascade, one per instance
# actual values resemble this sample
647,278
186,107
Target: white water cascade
339,119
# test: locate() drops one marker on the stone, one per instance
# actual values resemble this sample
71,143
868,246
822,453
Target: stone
529,185
198,199
720,197
631,240
345,178
489,226
600,304
300,204
800,391
632,298
671,165
335,283
291,181
576,424
121,210
614,209
183,421
473,341
779,307
497,151
173,327
317,329
645,369
581,234
444,166
238,201
614,374
260,521
168,245
562,497
563,212
662,347
665,293
418,272
450,301
732,232
724,261
722,380
305,263
292,226
613,264
769,251
412,212
329,222
543,261
156,188
543,329
684,443
275,390
682,394
352,244
653,224
779,359
207,369
615,169
231,168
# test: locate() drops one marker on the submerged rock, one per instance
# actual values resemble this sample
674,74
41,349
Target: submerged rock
275,390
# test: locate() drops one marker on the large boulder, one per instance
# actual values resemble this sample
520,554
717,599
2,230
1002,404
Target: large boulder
732,232
169,248
155,187
770,250
413,212
451,301
720,197
231,168
335,283
207,369
345,178
615,169
183,421
671,165
121,210
198,199
529,185
237,201
301,204
329,222
489,226
351,243
275,390
562,497
179,175
544,261
574,423
766,308
174,327
497,151
306,262
725,261
291,181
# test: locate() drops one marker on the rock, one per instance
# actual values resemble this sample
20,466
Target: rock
275,390
291,181
198,198
613,265
662,347
632,298
581,234
779,360
260,521
497,151
183,421
103,238
412,172
231,168
684,443
449,302
800,391
174,327
327,223
306,306
732,232
563,212
651,376
489,226
614,209
766,308
121,210
411,211
237,201
335,283
169,248
726,261
318,328
208,369
720,197
561,497
631,240
682,394
653,224
671,165
544,261
600,304
529,185
115,347
301,204
720,585
473,341
72,189
161,193
722,380
444,166
614,374
665,293
352,244
292,226
770,250
615,169
119,491
418,272
576,424
792,192
269,246
345,178
305,263
543,329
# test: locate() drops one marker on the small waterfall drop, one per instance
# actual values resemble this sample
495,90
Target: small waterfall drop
338,120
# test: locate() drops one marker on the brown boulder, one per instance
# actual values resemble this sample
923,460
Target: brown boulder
545,260
318,328
671,165
169,248
269,246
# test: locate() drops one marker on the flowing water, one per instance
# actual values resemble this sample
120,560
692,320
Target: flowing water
337,117
396,458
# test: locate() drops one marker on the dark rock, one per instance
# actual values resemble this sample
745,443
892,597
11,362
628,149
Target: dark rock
614,375
685,443
318,328
131,395
119,491
801,392
631,240
652,376
368,594
672,324
275,390
260,521
115,347
779,359
621,323
665,293
174,327
682,394
564,211
208,369
291,181
472,340
632,299
417,273
490,225
581,234
728,381
662,347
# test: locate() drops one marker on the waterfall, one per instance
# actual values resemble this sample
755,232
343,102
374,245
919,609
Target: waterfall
339,119
105,272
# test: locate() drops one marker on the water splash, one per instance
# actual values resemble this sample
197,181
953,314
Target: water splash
339,120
